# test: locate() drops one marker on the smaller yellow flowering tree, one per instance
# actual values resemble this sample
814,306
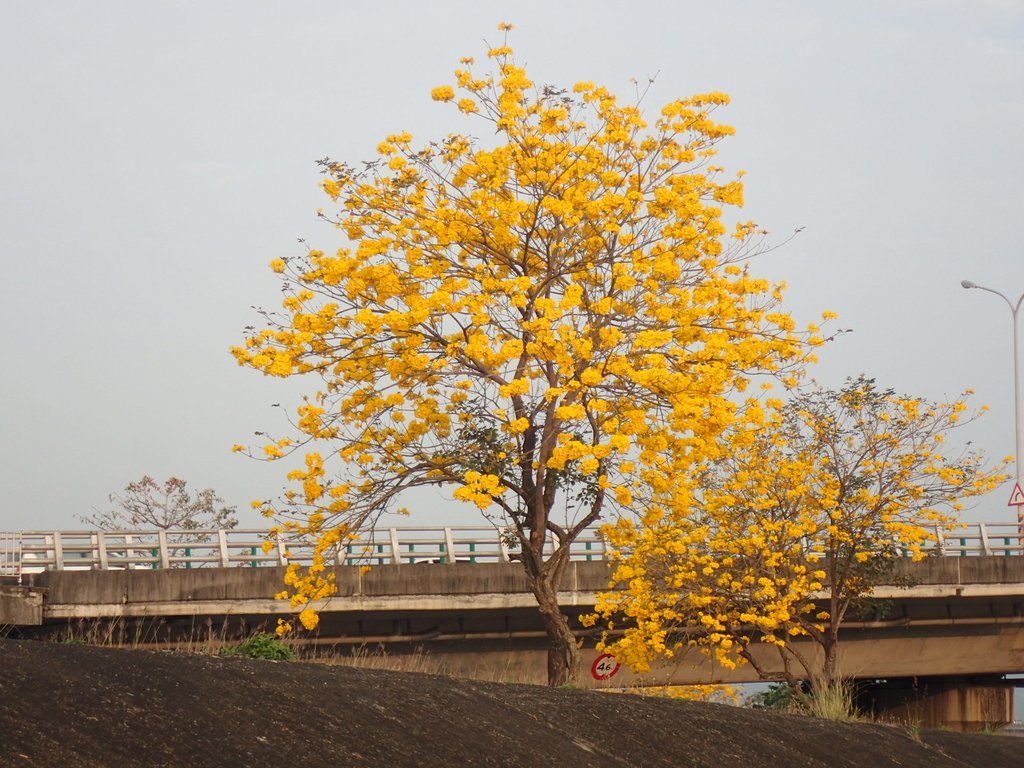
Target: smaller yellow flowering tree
796,522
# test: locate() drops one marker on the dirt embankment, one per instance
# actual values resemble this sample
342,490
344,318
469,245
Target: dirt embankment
66,705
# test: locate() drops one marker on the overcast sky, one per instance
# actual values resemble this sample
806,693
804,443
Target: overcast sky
156,156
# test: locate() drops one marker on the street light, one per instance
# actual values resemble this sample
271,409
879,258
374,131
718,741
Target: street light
1014,311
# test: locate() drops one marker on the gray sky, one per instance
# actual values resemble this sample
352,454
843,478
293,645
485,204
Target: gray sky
155,157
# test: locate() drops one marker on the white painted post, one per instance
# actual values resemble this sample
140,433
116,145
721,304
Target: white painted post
222,542
985,548
130,554
396,546
58,551
281,558
449,544
165,558
99,541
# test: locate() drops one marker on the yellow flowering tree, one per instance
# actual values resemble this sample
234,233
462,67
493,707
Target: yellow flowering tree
795,524
555,322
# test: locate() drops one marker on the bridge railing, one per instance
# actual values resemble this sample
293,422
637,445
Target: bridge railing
965,539
152,549
10,554
981,539
34,551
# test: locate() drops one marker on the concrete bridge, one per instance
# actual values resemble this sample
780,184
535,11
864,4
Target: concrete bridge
454,594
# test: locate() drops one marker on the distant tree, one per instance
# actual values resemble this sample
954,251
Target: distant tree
555,322
149,504
796,522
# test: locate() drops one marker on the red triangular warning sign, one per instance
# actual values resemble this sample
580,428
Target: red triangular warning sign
1017,497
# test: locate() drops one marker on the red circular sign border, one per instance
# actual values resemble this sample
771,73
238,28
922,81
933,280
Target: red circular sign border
593,667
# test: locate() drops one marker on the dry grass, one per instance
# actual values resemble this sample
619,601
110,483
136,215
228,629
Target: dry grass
212,639
415,660
833,701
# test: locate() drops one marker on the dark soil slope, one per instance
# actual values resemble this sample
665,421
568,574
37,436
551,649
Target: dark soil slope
66,705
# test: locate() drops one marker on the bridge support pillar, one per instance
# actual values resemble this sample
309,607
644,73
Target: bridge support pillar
958,703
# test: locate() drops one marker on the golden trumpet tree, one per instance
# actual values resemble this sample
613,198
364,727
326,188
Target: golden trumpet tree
795,524
554,322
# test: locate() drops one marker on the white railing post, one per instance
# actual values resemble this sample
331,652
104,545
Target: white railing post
165,557
99,540
282,559
396,546
983,532
940,540
130,554
502,548
449,545
222,545
340,552
58,551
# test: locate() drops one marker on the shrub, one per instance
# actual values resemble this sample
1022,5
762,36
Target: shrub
778,697
261,646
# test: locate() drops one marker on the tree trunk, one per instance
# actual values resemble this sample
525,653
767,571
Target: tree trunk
830,673
563,650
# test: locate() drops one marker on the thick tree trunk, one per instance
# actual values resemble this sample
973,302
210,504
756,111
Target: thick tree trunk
563,650
830,673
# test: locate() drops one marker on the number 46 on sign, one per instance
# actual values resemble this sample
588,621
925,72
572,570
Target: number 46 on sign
604,667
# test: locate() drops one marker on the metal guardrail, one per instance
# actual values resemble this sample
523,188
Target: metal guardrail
34,551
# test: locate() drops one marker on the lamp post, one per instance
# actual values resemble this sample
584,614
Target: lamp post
1014,311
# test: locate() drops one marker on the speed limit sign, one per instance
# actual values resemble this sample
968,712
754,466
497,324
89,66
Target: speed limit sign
604,667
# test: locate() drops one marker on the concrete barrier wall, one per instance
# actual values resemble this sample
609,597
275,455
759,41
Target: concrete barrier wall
462,579
991,569
178,584
432,579
175,584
